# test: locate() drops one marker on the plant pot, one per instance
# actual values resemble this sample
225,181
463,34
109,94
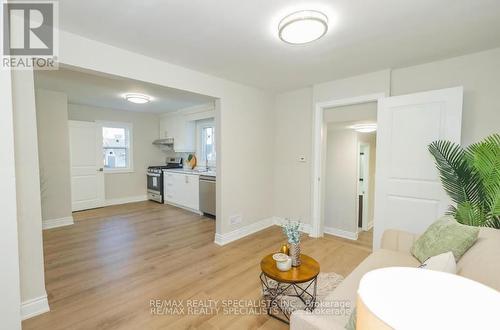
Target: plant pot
295,254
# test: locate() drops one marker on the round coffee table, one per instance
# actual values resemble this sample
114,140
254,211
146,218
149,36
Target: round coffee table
278,287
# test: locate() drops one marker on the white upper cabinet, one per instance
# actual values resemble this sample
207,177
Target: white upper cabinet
181,129
181,126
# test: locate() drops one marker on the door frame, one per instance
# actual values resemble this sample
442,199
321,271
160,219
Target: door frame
368,200
319,155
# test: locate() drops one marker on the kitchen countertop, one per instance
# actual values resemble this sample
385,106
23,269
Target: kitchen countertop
189,171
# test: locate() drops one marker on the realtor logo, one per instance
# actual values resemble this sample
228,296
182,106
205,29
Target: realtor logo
29,35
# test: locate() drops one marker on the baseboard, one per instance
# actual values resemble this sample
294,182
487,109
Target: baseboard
341,233
60,222
34,307
125,200
304,227
369,227
223,239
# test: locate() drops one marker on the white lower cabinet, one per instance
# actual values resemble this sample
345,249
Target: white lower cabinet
182,190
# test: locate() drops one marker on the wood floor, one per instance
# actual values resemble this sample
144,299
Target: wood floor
102,272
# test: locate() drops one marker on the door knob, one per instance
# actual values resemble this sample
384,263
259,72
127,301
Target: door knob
100,169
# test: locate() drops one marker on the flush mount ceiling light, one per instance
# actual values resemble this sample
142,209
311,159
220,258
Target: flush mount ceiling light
303,26
137,98
364,128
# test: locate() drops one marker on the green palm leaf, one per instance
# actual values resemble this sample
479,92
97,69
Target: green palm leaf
471,178
470,214
458,179
484,157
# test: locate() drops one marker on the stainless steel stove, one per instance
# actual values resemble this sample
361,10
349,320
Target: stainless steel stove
155,178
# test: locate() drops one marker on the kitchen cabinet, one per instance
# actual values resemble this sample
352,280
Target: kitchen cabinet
181,129
182,190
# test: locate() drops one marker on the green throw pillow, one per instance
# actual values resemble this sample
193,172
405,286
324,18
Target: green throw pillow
444,235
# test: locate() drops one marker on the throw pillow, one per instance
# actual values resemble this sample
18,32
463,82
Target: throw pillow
444,235
444,262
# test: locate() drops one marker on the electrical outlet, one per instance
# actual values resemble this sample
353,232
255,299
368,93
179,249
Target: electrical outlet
235,219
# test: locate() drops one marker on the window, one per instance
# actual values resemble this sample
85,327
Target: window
117,147
206,145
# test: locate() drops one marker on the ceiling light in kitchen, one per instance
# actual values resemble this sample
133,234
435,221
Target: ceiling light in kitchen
137,98
303,26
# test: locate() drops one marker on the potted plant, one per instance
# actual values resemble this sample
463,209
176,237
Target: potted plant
291,230
471,177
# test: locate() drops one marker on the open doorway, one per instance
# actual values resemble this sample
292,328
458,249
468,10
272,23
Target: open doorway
349,171
106,140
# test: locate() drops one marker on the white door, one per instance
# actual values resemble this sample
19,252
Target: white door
87,176
408,189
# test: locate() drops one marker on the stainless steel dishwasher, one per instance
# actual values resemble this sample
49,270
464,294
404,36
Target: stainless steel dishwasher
207,194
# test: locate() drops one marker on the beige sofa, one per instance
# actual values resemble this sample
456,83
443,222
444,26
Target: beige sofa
480,263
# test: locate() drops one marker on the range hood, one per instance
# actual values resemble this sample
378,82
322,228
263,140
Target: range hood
164,142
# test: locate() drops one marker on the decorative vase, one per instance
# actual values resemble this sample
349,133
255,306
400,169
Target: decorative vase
295,254
284,249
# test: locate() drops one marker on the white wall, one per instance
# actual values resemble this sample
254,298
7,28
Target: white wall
29,214
145,130
370,83
479,74
53,150
10,301
244,117
341,173
292,140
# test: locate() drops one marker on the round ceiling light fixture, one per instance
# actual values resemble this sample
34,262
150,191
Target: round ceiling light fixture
137,98
303,27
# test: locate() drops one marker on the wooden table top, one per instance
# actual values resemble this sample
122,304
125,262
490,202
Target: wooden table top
308,269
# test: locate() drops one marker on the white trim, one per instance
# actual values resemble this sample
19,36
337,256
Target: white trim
59,222
318,186
193,110
34,307
367,197
341,233
369,225
117,170
223,239
304,227
125,200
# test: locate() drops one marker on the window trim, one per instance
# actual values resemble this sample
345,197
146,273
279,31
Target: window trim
130,128
200,125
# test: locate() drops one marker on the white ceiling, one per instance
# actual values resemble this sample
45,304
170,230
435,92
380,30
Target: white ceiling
237,39
108,91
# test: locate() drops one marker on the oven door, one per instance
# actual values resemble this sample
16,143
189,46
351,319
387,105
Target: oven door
155,187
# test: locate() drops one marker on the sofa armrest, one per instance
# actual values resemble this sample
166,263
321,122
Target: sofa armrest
398,240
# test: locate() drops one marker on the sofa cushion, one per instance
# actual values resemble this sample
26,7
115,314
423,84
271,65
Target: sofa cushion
481,262
444,235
